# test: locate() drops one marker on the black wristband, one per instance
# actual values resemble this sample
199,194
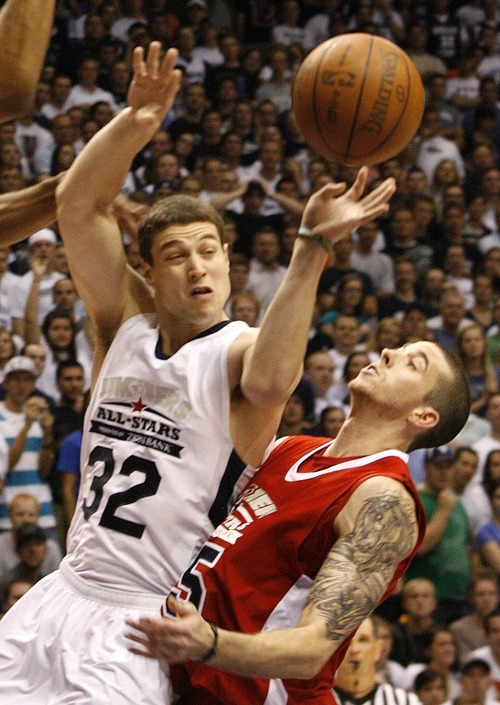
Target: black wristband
211,652
317,237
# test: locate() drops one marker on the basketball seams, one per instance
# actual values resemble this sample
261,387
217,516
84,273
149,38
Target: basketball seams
350,109
401,116
325,56
356,111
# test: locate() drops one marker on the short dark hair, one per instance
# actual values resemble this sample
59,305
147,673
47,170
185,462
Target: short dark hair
178,209
65,364
488,481
451,398
428,675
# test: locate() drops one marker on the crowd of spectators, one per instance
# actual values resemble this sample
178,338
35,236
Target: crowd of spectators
429,270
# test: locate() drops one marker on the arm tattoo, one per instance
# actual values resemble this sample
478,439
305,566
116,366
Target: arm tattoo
361,564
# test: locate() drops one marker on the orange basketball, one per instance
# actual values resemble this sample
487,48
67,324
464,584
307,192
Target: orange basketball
358,99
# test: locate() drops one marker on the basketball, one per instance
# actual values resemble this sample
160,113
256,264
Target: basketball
358,99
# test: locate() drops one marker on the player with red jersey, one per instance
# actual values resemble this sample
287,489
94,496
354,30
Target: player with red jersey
297,498
314,543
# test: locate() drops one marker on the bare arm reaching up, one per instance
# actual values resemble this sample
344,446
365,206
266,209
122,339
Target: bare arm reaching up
89,229
25,27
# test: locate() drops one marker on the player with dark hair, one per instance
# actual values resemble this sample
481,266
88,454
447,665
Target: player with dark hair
317,540
183,400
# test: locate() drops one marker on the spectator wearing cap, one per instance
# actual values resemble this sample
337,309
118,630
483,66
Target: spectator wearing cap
196,12
31,548
491,652
42,275
251,214
443,556
477,683
23,509
26,425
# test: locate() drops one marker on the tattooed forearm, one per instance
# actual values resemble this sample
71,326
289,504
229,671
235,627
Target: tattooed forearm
360,565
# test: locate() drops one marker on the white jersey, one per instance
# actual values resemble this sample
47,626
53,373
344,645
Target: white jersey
158,465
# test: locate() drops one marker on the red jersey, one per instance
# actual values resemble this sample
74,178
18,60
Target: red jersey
256,570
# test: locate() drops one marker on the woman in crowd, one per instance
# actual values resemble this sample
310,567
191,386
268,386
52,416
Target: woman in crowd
351,300
58,333
387,334
471,346
445,174
488,536
330,421
7,347
63,157
442,658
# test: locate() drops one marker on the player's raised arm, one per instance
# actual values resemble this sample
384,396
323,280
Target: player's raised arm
272,360
378,530
84,198
25,28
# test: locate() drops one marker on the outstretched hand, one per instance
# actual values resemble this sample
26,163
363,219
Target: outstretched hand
155,82
334,211
188,637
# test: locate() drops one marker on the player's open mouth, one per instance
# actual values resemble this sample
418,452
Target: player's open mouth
370,370
201,291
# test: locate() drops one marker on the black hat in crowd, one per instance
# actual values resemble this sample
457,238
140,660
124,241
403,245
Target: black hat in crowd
27,532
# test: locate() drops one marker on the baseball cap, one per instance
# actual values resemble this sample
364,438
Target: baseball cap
27,532
199,3
44,235
440,454
255,188
19,363
475,661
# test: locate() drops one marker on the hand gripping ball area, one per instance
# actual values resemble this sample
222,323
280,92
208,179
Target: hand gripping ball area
358,99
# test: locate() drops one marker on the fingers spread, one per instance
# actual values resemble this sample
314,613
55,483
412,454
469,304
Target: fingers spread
138,61
359,184
153,59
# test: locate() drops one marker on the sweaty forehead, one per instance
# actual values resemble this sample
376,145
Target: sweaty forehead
188,233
